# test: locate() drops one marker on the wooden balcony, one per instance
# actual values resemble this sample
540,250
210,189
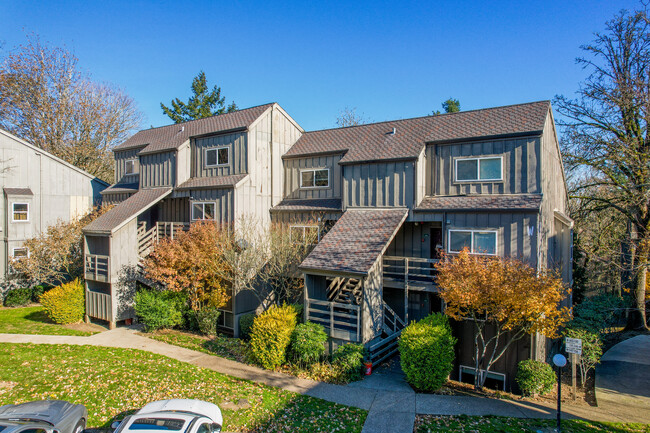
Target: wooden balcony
147,239
99,305
97,268
340,320
412,272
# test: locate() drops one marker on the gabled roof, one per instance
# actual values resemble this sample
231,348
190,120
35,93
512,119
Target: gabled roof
127,210
308,205
356,241
121,188
478,202
170,137
212,182
376,141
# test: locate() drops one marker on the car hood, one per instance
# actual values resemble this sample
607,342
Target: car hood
199,407
51,411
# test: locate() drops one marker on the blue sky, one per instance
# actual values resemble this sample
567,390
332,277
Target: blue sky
390,60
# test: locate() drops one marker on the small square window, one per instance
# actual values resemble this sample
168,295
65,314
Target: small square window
203,210
490,169
20,212
129,166
217,156
304,234
20,253
316,178
466,169
459,240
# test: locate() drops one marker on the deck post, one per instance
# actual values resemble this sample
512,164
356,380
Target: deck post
406,291
331,318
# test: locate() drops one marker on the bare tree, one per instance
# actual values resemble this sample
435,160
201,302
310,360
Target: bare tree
349,117
606,136
46,100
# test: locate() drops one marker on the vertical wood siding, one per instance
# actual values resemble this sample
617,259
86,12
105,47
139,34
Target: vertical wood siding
120,166
372,303
124,256
158,169
175,210
292,169
379,185
412,241
224,204
237,160
285,134
521,167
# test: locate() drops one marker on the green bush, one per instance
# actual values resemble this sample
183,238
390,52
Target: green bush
206,320
349,358
37,292
427,352
535,377
299,312
271,334
245,325
65,303
598,313
18,297
307,343
158,309
592,348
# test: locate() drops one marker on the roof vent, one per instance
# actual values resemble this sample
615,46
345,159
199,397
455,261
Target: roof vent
182,128
392,132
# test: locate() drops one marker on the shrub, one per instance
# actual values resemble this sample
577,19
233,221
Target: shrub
206,320
592,349
299,312
349,358
65,303
18,297
245,324
307,343
271,334
598,313
535,377
427,352
158,309
37,291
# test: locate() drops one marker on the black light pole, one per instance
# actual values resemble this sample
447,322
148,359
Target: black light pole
560,361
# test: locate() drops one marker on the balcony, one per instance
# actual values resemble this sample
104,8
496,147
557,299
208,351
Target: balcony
340,320
97,268
410,272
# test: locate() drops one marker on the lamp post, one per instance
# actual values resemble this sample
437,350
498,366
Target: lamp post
559,361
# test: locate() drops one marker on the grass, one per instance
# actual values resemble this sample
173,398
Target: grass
498,424
32,320
112,382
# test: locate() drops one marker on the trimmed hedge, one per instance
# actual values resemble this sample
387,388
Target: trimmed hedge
206,320
535,377
245,325
349,358
427,352
307,343
159,309
65,303
271,334
18,297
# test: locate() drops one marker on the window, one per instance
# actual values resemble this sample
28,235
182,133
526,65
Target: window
316,178
482,169
129,166
20,212
478,241
304,234
203,210
20,253
170,424
216,156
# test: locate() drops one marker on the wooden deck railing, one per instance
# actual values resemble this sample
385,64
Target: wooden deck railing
410,269
341,320
98,305
147,239
170,229
97,268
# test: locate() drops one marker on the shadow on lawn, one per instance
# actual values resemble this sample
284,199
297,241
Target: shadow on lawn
39,316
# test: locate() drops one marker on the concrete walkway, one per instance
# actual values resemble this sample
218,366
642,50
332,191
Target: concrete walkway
390,402
623,377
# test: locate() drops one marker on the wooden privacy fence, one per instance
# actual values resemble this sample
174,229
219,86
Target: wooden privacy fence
98,305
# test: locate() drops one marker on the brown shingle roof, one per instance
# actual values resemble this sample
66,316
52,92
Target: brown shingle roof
128,209
121,188
356,241
170,137
481,202
308,205
375,142
18,191
211,182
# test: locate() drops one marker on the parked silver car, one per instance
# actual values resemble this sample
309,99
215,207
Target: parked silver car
178,415
46,416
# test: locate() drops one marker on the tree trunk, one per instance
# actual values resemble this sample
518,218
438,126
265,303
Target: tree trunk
637,317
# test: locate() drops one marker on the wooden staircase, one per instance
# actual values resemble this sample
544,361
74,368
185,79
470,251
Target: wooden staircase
345,291
384,346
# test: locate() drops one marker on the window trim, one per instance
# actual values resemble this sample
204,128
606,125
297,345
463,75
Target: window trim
304,227
314,170
126,164
13,212
13,252
473,231
478,168
216,149
203,203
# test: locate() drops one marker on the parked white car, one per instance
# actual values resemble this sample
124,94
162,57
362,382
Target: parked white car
178,415
45,416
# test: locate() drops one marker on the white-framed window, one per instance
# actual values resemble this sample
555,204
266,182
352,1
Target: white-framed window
203,210
300,234
483,169
217,156
315,178
477,241
20,253
129,166
19,212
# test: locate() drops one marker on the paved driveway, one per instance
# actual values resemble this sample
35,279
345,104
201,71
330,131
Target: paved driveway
623,380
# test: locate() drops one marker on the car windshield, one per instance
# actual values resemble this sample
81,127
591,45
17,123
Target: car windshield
168,424
2,427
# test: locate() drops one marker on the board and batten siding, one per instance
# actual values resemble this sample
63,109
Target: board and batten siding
412,240
292,168
120,165
285,133
124,257
158,169
237,155
521,167
388,184
372,303
174,210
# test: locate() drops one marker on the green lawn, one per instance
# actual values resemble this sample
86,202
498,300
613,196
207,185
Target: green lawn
225,347
495,424
111,382
32,320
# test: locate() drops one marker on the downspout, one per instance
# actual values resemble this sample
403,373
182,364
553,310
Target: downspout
271,150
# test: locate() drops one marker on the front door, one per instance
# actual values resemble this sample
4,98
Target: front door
419,305
436,242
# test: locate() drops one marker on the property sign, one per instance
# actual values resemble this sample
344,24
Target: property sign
573,345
